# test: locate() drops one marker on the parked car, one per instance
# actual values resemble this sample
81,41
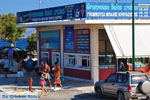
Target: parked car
18,53
13,68
125,86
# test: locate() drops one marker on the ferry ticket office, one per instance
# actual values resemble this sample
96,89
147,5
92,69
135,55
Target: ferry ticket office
87,39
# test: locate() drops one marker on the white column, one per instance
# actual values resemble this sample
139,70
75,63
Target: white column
62,49
38,51
94,53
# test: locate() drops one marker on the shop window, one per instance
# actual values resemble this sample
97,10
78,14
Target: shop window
55,58
85,61
79,61
71,60
106,59
106,52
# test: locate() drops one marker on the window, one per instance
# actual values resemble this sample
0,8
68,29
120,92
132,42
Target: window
106,59
106,52
122,78
71,60
85,61
112,78
135,79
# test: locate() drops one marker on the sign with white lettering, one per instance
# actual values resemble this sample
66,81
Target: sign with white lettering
86,10
116,11
74,11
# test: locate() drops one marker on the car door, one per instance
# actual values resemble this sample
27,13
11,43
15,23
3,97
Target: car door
108,86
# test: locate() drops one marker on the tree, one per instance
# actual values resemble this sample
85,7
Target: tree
8,30
32,42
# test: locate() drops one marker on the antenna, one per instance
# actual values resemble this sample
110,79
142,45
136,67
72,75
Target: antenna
40,1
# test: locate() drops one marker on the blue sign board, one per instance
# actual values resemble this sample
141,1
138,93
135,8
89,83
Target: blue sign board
69,38
74,11
86,10
116,11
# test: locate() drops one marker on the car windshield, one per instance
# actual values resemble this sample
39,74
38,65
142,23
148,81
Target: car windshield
135,79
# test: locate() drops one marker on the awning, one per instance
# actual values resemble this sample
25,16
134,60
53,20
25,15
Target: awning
121,39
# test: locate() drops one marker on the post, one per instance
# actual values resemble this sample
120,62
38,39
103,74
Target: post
94,53
62,49
133,40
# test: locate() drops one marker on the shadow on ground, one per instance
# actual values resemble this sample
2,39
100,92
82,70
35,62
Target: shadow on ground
90,96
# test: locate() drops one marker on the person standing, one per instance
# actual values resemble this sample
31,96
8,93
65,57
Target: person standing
57,73
10,56
20,72
46,69
29,65
42,82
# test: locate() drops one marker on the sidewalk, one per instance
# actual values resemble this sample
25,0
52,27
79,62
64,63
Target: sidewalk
7,85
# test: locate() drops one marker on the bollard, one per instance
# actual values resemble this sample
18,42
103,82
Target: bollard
30,84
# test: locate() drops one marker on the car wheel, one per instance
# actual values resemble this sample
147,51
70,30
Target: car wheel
120,96
98,92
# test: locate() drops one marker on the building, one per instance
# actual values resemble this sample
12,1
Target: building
89,39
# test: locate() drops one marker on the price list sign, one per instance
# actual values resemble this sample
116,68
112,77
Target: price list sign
144,10
82,40
69,39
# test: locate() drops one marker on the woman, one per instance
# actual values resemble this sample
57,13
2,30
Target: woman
57,73
42,82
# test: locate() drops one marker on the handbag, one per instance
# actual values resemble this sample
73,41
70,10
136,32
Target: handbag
62,79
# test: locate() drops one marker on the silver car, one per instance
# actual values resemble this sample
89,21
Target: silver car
125,86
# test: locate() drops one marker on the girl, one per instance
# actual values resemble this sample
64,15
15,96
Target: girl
57,73
42,82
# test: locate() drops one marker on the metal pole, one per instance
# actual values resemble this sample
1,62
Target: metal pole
133,35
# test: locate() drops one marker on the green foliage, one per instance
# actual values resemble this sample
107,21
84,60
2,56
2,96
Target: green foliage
32,42
8,30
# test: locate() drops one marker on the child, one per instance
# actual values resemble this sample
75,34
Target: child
42,82
57,73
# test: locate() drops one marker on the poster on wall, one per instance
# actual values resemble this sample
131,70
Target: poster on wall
50,40
82,40
69,39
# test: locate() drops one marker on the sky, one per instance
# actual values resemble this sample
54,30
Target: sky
13,6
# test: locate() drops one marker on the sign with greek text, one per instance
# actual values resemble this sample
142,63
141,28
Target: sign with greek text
116,11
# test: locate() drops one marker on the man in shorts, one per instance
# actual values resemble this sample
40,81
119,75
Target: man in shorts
20,72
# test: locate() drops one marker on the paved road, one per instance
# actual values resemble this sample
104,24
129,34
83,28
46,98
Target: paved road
72,95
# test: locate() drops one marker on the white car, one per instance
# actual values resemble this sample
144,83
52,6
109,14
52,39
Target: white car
13,67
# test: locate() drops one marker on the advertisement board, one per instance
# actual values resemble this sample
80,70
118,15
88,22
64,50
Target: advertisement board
73,11
69,39
82,40
116,11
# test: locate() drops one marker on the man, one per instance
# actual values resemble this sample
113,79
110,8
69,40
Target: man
29,65
46,69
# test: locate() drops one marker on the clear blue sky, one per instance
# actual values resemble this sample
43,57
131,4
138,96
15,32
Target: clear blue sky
13,6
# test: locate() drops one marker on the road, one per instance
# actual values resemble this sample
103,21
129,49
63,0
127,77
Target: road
72,94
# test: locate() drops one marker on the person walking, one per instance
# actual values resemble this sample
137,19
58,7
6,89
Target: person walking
46,69
20,72
42,82
57,73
